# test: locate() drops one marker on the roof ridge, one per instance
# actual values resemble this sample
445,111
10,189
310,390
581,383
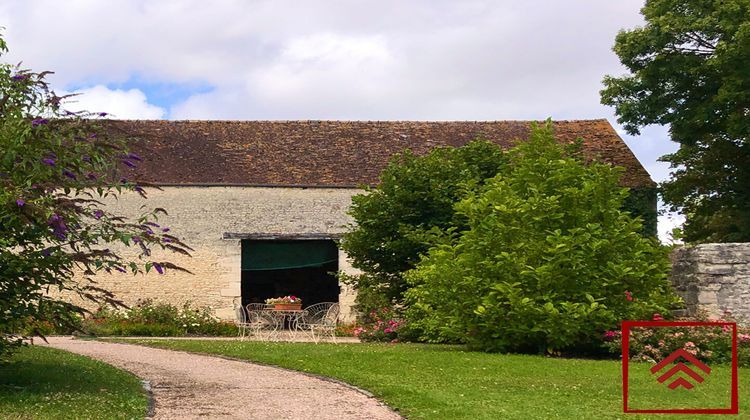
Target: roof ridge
332,152
359,121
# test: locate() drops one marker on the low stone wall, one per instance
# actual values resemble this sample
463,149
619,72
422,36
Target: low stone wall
714,278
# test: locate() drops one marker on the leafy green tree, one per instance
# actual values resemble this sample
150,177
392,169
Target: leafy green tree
409,210
690,69
548,263
56,170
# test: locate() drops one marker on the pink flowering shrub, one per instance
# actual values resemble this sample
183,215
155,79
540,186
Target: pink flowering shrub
346,329
383,325
709,344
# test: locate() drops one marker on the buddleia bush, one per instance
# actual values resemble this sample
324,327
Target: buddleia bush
548,263
57,169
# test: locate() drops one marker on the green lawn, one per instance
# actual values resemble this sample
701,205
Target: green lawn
431,381
44,383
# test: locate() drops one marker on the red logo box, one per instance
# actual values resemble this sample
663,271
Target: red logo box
626,327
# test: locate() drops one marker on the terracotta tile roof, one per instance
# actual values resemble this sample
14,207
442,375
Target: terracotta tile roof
331,153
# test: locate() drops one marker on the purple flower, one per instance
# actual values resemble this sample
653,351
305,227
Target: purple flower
47,252
120,269
39,121
139,189
136,239
166,229
166,240
48,161
69,174
102,114
58,226
18,77
134,157
20,202
98,214
159,268
129,163
149,231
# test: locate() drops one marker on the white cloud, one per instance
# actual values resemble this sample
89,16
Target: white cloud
666,224
121,104
309,76
333,49
336,59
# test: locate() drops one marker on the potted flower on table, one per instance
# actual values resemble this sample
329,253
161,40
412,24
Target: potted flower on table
285,303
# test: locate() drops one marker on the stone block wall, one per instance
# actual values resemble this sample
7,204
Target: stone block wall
714,278
200,216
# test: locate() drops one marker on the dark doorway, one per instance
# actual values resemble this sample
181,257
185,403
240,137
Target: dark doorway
273,268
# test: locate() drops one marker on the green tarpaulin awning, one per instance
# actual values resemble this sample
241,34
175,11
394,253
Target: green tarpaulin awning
279,255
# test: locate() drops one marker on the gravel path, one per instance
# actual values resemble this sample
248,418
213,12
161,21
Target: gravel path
187,386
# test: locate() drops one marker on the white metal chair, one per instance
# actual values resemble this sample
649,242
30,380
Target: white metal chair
240,320
259,320
320,320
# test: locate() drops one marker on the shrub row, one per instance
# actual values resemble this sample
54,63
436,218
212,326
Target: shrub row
152,319
148,318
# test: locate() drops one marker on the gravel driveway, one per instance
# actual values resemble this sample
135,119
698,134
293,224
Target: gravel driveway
189,386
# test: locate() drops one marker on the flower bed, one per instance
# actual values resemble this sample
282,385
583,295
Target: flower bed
382,325
709,344
147,318
285,300
285,303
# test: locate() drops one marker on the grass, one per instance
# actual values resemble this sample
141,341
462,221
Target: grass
447,382
44,383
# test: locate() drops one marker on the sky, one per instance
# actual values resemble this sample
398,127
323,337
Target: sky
338,60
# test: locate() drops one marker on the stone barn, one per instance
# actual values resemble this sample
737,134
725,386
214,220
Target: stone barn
263,203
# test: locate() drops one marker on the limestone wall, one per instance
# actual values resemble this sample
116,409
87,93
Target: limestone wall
714,278
200,216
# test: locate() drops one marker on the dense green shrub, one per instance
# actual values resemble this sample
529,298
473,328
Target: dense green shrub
548,263
128,328
414,209
411,209
148,318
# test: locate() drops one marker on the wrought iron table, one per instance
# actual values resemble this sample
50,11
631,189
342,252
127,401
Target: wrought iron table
282,318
